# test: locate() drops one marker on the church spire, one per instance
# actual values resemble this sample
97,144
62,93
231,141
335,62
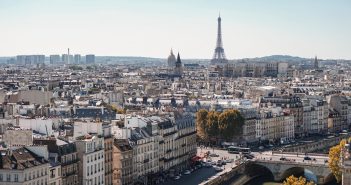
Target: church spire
178,59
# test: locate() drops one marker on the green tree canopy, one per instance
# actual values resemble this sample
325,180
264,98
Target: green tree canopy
201,122
212,128
230,124
334,159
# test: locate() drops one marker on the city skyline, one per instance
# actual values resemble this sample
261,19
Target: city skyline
152,28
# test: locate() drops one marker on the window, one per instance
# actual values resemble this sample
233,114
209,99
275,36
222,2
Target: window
0,177
52,173
16,177
8,177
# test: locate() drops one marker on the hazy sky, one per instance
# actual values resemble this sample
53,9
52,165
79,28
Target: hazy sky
151,27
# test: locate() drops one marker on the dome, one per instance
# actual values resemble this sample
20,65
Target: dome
171,60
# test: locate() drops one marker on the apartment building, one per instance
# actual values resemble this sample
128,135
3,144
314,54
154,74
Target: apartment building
145,153
274,126
90,150
167,144
292,105
339,103
123,162
249,127
108,147
22,167
64,153
185,141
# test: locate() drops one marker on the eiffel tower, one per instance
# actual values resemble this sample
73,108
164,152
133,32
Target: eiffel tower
219,56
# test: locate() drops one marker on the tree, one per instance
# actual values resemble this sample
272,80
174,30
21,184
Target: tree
117,110
292,180
201,122
212,128
230,124
76,67
334,159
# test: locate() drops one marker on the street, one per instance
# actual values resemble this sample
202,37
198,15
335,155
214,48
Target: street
196,177
203,174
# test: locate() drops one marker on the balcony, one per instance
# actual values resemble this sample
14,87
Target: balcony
70,173
185,135
146,160
170,133
70,162
169,159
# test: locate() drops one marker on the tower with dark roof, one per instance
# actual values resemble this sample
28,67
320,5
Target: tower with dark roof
316,63
178,70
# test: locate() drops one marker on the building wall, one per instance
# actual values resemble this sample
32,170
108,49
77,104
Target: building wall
54,175
33,175
122,166
108,142
69,169
91,160
18,137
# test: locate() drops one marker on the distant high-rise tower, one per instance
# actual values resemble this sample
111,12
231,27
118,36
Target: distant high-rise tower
316,63
68,59
54,59
219,56
89,59
77,58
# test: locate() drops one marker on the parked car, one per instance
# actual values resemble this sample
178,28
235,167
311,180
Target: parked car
283,159
176,177
187,172
307,158
219,163
218,169
228,160
214,155
249,156
207,165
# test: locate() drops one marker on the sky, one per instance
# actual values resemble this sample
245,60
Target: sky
150,28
